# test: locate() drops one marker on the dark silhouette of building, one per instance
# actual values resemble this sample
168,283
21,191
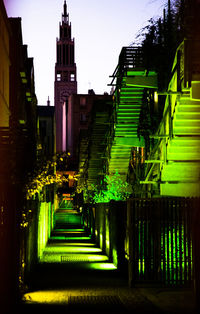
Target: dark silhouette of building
65,78
79,118
46,116
18,153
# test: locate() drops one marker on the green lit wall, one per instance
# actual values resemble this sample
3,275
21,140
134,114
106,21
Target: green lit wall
44,226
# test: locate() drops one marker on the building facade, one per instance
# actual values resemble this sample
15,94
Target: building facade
18,137
4,68
46,117
79,118
65,78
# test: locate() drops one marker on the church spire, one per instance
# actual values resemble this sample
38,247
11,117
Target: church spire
65,16
65,78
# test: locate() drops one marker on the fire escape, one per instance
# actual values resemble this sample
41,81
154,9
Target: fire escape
131,79
174,163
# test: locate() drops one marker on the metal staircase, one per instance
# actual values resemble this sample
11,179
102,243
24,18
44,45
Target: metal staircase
126,124
178,152
131,79
181,172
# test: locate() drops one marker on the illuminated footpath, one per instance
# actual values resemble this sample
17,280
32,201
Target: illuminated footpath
71,266
69,241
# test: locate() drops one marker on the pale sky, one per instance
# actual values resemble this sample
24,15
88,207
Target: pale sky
100,28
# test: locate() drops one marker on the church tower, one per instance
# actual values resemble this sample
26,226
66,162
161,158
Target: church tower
65,78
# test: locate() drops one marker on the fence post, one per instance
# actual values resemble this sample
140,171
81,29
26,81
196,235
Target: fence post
196,250
130,226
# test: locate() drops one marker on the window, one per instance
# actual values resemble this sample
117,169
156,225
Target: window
65,76
83,117
58,76
83,101
72,77
65,32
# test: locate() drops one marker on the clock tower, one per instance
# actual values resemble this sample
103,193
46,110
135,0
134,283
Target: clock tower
65,78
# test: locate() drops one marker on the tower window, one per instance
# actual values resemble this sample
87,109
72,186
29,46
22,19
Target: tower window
64,56
58,76
82,101
65,76
58,54
83,117
72,77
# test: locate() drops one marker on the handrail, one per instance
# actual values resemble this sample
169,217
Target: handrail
130,57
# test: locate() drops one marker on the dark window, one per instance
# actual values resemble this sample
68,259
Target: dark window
64,57
83,101
43,128
58,54
83,117
65,76
67,55
65,32
71,54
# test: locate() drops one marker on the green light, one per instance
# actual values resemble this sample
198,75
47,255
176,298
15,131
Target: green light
43,223
69,230
141,266
175,250
114,257
117,188
73,258
49,220
70,238
73,244
71,249
103,266
101,240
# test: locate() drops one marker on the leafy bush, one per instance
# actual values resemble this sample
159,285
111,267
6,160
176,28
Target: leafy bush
117,189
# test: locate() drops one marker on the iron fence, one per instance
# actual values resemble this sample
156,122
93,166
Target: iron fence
160,240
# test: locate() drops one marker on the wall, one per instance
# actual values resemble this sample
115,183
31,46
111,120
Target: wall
4,68
110,222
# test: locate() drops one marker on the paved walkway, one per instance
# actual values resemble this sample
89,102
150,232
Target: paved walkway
76,277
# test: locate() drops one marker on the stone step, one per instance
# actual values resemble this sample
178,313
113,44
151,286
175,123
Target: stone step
187,116
187,108
183,155
187,123
184,141
186,130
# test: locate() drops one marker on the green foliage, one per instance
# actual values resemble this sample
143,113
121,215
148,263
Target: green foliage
117,190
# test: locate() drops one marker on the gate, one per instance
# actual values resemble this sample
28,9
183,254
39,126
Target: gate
159,233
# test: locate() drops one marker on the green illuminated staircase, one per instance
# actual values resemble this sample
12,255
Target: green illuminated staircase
71,242
183,150
132,78
99,137
127,120
66,217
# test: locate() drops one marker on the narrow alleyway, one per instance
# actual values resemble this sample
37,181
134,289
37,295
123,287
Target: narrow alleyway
76,276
